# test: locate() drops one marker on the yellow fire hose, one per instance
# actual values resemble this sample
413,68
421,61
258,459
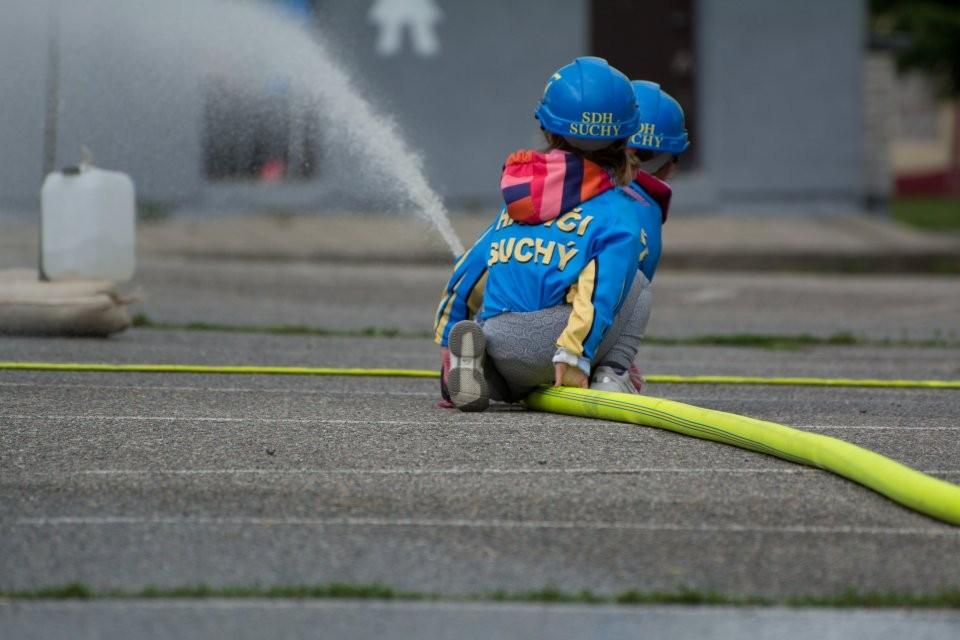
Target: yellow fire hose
424,373
915,490
925,494
96,367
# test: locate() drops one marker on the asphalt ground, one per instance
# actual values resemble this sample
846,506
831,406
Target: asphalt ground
129,480
123,481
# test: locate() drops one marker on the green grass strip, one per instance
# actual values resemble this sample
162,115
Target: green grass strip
762,341
945,599
928,213
142,321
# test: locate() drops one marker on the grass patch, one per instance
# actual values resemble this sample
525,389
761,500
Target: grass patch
331,591
760,341
872,599
143,321
78,591
70,591
928,213
949,599
794,342
763,341
547,595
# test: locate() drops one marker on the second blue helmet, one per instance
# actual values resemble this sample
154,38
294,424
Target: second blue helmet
589,100
662,123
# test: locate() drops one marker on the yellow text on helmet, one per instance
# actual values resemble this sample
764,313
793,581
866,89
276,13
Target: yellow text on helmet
604,130
647,136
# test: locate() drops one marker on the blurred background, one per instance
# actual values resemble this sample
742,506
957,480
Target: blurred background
814,107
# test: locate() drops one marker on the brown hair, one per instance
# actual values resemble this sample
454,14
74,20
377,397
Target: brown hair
615,158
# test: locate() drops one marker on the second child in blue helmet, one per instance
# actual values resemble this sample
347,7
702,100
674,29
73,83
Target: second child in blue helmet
656,146
662,136
558,268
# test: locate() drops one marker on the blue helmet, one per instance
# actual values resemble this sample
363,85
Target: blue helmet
589,100
662,125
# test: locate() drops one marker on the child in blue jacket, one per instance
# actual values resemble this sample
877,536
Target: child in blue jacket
554,281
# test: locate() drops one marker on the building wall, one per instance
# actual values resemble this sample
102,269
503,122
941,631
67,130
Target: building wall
133,101
134,98
22,60
133,107
879,92
779,101
469,105
922,125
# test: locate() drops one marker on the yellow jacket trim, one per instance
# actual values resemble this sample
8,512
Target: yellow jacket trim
582,315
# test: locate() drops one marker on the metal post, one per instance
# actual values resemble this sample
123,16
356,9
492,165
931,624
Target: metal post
52,107
53,88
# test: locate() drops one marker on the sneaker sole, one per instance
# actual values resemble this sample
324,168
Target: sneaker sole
467,386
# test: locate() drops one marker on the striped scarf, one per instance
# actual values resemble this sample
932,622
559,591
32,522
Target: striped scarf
538,187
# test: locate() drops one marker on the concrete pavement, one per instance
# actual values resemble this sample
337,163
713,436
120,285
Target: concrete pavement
128,480
215,270
860,243
337,296
462,621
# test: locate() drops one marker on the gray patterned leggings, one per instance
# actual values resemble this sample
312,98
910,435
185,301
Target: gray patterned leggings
520,346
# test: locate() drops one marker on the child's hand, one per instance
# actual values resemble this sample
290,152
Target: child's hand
566,376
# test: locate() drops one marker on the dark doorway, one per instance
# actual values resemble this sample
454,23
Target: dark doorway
652,40
263,133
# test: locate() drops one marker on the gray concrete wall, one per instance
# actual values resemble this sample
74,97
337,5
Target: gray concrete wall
471,104
780,89
134,109
22,60
138,105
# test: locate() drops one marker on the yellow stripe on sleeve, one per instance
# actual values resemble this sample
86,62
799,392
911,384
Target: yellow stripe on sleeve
444,316
475,299
581,317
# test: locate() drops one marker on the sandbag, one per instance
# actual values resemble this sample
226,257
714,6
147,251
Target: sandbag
29,306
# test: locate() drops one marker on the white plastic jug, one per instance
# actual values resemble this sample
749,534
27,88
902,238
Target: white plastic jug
87,224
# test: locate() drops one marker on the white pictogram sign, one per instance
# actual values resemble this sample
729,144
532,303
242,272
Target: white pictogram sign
393,17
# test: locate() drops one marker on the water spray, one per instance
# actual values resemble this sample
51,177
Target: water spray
254,44
283,45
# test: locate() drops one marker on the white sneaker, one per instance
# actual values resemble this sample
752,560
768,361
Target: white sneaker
466,383
607,379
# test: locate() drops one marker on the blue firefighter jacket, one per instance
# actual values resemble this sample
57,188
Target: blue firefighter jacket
586,257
